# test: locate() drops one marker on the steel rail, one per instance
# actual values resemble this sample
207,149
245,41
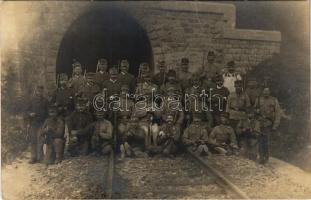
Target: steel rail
221,179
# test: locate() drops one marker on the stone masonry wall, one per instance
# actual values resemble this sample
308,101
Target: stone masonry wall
33,31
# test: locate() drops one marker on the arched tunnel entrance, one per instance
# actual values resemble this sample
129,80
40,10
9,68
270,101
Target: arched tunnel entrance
106,33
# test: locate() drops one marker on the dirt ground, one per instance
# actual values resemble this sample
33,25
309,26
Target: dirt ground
82,178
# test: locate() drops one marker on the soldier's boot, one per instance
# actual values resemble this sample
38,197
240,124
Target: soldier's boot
128,150
155,132
221,150
122,150
59,149
203,150
106,150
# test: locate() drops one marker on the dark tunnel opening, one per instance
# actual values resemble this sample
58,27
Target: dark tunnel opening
108,33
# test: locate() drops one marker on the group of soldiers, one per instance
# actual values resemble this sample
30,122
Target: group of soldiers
241,115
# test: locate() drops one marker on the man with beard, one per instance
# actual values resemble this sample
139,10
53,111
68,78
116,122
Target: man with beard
125,77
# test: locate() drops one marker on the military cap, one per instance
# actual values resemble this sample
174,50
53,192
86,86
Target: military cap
211,53
113,71
219,78
76,64
161,63
197,115
238,83
52,107
169,117
224,114
144,66
100,113
102,61
90,74
231,63
62,77
171,73
81,101
184,61
125,87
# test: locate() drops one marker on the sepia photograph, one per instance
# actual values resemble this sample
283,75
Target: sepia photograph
155,99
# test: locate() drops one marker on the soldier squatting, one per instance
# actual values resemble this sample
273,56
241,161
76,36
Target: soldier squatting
157,113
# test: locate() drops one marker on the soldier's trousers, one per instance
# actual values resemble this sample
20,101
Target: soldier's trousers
54,149
36,141
248,144
263,147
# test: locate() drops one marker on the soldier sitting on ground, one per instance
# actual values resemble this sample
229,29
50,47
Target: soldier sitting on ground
249,129
169,136
195,137
222,138
53,131
79,139
102,140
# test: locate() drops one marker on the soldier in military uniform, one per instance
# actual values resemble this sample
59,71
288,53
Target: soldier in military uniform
144,68
183,74
90,89
113,85
270,113
101,74
252,90
124,125
101,129
36,112
125,77
63,96
222,138
144,109
210,70
195,136
195,103
171,82
219,96
237,104
160,77
248,129
169,136
77,80
53,131
79,119
231,76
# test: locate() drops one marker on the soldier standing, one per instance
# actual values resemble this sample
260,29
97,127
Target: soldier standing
183,74
113,85
237,104
222,138
37,112
77,80
79,138
172,82
90,89
63,96
53,131
160,78
101,72
231,76
195,136
252,90
219,99
125,77
269,109
210,70
143,69
102,129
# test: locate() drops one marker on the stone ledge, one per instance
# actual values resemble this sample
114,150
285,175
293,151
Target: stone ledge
249,34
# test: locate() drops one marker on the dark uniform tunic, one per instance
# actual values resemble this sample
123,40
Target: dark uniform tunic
219,102
100,77
113,87
64,98
53,130
38,106
77,121
159,79
127,79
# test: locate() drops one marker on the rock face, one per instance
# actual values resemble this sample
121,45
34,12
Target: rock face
174,30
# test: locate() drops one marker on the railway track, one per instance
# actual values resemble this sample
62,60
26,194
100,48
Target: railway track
185,176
